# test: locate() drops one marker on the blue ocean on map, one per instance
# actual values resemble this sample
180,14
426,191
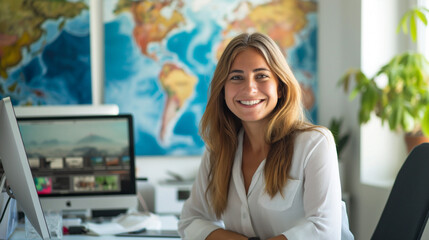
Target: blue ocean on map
57,69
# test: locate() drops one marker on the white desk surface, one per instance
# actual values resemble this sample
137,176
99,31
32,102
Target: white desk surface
166,220
19,234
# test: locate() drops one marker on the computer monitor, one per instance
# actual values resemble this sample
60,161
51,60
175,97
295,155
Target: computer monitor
82,162
17,170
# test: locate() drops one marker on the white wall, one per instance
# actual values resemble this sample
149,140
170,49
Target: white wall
379,164
339,48
157,169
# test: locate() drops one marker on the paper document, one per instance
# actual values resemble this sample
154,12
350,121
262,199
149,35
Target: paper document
128,222
168,222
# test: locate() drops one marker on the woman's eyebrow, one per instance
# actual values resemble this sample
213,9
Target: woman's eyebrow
261,69
236,71
254,70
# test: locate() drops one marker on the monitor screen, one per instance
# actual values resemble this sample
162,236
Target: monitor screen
82,162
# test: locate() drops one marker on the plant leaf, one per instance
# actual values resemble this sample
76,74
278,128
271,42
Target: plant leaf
415,14
413,28
354,93
407,121
368,101
395,116
345,81
347,78
342,143
421,16
403,24
425,122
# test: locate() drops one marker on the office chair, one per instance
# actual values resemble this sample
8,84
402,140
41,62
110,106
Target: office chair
406,211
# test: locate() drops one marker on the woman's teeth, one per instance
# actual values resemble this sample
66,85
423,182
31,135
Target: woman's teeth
249,103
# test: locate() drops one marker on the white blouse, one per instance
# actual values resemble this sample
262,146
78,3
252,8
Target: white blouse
310,208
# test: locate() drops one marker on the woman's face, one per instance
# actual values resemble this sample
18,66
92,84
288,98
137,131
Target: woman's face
251,88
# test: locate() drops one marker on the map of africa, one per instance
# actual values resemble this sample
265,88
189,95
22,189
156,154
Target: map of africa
159,57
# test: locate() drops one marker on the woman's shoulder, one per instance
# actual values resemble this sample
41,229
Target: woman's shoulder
318,139
313,135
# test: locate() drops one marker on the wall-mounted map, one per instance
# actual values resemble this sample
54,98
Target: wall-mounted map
160,56
45,52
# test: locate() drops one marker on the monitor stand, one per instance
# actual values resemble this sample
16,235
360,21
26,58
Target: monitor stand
82,213
6,188
107,213
88,214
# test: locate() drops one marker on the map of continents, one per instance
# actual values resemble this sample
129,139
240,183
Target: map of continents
160,56
44,52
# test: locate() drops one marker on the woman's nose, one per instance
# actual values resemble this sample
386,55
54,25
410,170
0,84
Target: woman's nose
250,85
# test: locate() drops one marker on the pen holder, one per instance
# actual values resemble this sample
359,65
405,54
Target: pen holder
54,220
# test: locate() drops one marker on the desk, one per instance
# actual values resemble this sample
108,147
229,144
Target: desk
167,223
19,234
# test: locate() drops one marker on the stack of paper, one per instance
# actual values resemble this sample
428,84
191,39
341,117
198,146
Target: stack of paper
128,222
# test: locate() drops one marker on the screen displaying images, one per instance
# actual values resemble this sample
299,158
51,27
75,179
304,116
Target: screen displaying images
80,155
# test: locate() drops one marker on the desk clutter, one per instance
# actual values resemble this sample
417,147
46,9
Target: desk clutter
128,222
131,223
54,220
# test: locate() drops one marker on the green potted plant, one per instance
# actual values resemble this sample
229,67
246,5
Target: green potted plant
399,92
341,139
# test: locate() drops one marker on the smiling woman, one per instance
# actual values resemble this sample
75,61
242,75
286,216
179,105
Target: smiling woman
266,169
251,88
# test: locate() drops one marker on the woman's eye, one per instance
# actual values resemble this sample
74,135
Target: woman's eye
236,77
261,76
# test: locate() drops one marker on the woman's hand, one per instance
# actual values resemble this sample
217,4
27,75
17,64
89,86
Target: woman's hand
229,235
225,235
280,237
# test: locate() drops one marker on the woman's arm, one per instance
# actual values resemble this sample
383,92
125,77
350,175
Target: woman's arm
322,190
280,237
197,219
225,235
228,235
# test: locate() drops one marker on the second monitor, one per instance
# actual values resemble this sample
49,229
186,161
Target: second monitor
82,162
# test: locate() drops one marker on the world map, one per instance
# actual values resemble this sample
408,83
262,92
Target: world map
159,57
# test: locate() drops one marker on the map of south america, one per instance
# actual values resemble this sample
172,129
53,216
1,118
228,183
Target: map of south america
151,25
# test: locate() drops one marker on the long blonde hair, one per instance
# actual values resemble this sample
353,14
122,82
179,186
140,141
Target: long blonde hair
219,126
